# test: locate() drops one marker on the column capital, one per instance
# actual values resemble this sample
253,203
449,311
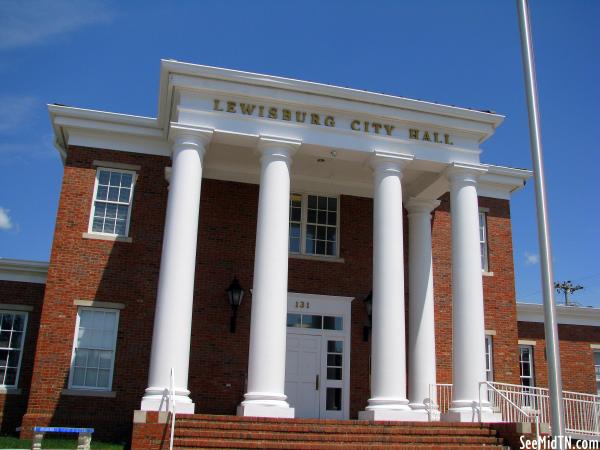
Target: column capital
465,173
383,160
275,147
190,135
416,205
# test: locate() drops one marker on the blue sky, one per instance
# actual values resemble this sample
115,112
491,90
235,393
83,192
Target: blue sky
105,55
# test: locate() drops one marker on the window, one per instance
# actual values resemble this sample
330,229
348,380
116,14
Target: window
597,370
489,366
12,337
111,207
483,241
526,365
314,225
94,349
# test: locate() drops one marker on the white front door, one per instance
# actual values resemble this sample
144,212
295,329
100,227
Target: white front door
317,368
302,372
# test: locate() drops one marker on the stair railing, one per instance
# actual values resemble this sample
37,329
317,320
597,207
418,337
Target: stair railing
172,407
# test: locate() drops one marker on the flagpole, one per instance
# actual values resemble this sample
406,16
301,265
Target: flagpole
550,326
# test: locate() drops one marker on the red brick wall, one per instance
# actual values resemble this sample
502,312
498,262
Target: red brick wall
128,273
576,355
12,406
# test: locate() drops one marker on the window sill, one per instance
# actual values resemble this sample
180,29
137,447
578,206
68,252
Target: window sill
9,390
106,237
88,393
487,274
317,258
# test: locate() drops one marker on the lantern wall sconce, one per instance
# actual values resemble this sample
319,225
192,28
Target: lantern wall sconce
235,294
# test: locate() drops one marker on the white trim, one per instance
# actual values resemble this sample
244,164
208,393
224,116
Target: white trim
106,237
526,342
12,307
566,315
4,390
595,346
117,165
88,393
490,332
316,257
23,270
114,355
96,304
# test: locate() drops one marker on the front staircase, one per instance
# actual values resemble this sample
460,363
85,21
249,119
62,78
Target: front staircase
226,432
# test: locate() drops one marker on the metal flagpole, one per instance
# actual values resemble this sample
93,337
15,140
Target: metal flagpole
551,330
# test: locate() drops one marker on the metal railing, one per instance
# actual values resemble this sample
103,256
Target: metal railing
172,407
517,403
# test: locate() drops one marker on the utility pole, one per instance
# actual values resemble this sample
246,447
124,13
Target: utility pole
567,288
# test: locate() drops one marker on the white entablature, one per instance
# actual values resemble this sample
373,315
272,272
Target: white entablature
338,128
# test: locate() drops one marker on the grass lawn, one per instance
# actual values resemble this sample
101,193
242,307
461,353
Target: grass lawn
13,442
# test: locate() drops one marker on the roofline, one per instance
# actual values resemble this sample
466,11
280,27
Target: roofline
566,315
23,270
170,67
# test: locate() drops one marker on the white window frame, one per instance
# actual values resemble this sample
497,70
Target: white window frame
130,204
8,311
531,364
304,222
114,351
485,256
489,356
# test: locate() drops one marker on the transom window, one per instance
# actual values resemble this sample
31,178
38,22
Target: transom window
314,223
483,241
94,349
315,321
12,337
111,207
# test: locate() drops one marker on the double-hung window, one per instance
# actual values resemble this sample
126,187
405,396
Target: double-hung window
489,366
93,356
597,370
527,376
314,225
111,207
12,337
483,241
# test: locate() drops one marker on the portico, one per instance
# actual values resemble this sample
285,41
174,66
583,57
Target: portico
291,136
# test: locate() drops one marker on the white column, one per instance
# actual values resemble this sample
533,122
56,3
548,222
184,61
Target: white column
174,302
468,330
421,321
266,362
388,347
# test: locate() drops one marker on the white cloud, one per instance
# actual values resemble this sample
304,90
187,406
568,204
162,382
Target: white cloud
31,22
15,111
531,259
5,221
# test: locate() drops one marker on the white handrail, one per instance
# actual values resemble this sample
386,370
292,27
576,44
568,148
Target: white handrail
172,407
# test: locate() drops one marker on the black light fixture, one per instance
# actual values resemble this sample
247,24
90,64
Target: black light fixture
235,292
369,307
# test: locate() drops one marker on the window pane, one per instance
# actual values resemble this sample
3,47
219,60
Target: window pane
311,321
78,377
113,194
334,360
98,224
312,201
103,378
80,357
124,195
294,320
310,246
102,193
4,339
322,217
294,245
7,320
115,178
92,360
111,211
331,248
321,233
3,357
312,216
334,399
597,358
333,323
334,373
120,227
11,376
335,346
104,176
322,202
126,180
295,214
320,249
295,230
91,376
13,358
105,359
311,232
331,218
331,234
332,204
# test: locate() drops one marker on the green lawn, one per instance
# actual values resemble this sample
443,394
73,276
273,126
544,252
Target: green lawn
13,442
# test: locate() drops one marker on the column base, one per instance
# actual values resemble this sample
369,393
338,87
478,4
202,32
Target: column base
471,415
254,410
156,400
399,415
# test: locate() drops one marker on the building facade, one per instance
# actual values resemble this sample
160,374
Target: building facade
313,198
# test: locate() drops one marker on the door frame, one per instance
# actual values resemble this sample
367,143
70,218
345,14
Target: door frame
329,305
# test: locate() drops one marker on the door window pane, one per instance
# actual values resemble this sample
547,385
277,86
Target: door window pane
334,399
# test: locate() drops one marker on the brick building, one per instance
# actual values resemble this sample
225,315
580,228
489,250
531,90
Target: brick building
329,207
